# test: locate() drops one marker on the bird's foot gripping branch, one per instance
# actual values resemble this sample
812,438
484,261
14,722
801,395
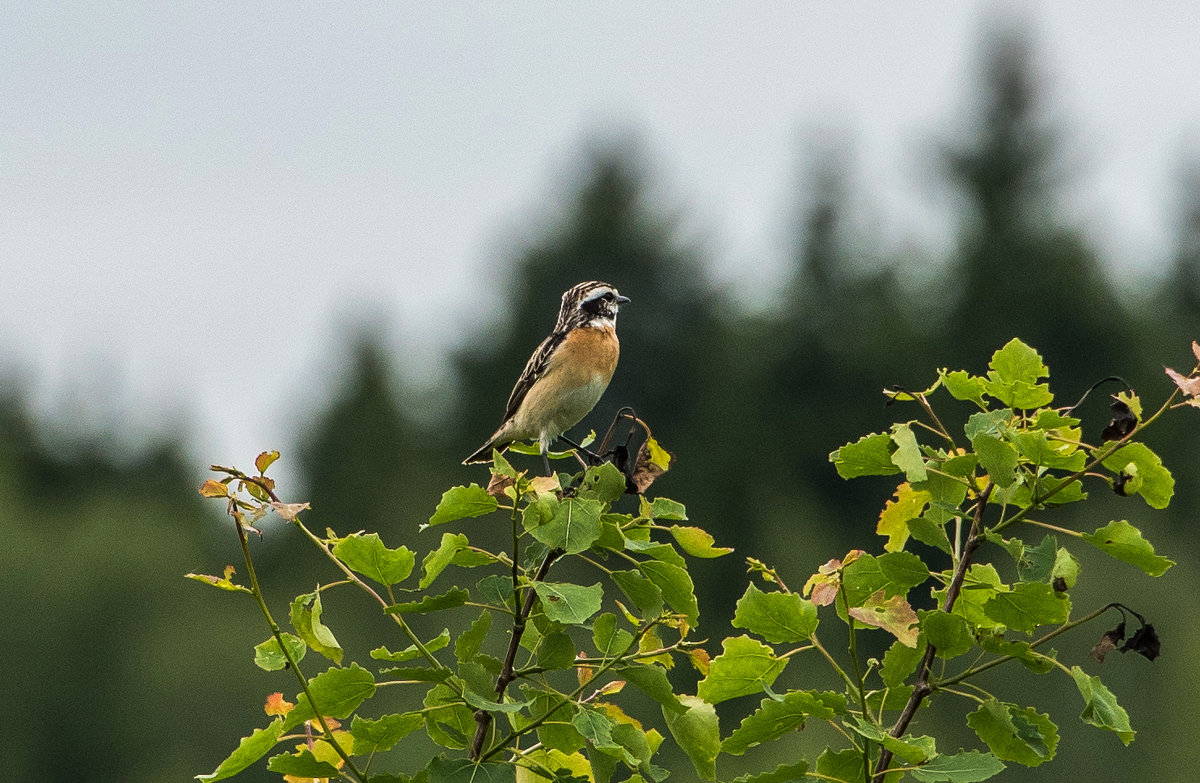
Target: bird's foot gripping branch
535,679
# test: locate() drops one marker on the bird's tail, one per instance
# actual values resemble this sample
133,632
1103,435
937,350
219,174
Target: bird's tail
484,454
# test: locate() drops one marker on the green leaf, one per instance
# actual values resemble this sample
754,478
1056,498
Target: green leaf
663,508
907,455
895,573
997,457
1038,449
745,666
611,535
652,681
574,526
462,503
1157,485
455,596
870,455
497,588
1036,562
1066,567
1015,734
841,765
1013,378
1100,706
981,584
697,542
269,656
337,693
899,663
610,640
567,603
644,594
604,483
1039,663
909,749
367,555
466,771
894,520
412,652
469,642
1123,541
306,619
995,423
635,744
556,731
1040,491
473,558
697,733
777,617
301,764
784,773
949,633
964,386
676,586
222,582
249,750
597,728
946,493
484,703
436,561
555,650
418,673
776,717
1028,605
657,550
969,767
449,723
374,736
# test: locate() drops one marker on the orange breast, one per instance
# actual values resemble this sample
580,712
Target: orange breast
586,354
571,385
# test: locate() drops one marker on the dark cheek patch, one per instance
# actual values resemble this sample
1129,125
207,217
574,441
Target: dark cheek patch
593,307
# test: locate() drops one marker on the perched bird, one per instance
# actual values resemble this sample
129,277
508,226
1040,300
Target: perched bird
566,375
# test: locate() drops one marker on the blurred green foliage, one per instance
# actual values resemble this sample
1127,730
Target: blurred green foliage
117,668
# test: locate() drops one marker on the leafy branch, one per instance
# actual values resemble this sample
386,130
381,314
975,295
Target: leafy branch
559,712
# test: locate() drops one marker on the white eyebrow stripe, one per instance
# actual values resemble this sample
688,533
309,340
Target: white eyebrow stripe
598,293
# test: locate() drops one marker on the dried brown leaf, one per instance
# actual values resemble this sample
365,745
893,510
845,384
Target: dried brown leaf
288,511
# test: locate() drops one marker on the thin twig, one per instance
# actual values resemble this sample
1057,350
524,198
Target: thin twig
256,589
922,688
483,718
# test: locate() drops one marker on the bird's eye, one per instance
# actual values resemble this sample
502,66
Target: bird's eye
608,297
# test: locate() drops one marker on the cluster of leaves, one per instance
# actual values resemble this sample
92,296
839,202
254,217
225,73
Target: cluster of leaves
569,647
533,686
1017,456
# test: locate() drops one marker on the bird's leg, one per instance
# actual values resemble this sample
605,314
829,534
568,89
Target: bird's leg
592,457
546,458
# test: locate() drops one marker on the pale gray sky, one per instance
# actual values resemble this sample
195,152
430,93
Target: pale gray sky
178,177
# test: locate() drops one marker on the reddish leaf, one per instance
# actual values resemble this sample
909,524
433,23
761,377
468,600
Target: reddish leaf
652,461
214,489
893,615
1189,386
277,705
264,460
498,485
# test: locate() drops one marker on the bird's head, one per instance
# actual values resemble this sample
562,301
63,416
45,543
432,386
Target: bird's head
590,304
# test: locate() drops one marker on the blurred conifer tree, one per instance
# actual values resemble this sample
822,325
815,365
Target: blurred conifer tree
1020,269
361,455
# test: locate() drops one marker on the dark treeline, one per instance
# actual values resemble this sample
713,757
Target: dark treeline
116,668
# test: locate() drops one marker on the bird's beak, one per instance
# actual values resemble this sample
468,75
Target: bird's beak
621,300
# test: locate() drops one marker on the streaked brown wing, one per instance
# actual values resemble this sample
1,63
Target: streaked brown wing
533,370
